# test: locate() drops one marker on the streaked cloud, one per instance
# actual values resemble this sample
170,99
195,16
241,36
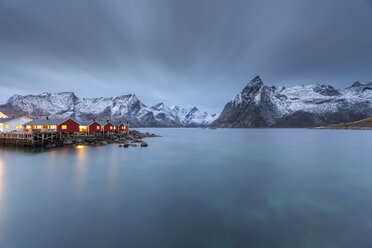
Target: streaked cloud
180,52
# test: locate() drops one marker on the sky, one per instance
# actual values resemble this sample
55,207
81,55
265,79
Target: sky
181,52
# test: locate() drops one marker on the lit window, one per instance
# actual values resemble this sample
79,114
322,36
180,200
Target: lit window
97,127
7,126
28,127
53,127
39,127
83,128
111,127
64,127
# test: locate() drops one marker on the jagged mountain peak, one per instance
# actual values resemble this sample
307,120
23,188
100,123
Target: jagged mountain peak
356,84
256,81
360,88
193,109
250,91
14,98
126,96
175,108
326,90
158,106
48,94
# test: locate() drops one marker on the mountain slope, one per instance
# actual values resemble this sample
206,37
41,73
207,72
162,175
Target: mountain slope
126,107
312,105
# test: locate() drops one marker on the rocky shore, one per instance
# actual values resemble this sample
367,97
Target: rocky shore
344,128
364,124
132,138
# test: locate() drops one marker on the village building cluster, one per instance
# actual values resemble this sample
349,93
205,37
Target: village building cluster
68,125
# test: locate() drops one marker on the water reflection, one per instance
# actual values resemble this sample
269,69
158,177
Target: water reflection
112,178
52,157
81,163
2,189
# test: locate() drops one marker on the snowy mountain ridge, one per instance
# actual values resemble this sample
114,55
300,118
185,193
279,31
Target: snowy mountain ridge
125,107
258,105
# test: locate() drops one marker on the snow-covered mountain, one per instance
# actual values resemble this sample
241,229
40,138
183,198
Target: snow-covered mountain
300,106
126,107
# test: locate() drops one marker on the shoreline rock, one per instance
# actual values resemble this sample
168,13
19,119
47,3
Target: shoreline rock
54,140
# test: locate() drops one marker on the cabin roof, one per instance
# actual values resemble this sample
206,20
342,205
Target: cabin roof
104,123
118,123
86,123
3,120
46,122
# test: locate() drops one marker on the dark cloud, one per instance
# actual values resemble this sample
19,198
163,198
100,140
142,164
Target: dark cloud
180,52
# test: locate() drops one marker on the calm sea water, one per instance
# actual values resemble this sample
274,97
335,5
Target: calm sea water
193,188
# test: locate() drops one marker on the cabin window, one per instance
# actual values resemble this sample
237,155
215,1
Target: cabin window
64,127
28,127
53,126
83,128
97,127
7,126
111,127
39,127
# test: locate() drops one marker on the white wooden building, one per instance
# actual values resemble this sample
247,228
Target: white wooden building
13,124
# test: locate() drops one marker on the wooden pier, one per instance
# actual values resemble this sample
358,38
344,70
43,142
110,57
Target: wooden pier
28,139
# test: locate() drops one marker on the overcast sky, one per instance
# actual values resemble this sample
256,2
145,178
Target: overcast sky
183,52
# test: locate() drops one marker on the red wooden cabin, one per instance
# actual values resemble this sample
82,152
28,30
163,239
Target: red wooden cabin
68,126
108,127
122,127
95,127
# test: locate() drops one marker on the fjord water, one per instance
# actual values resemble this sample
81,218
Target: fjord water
193,188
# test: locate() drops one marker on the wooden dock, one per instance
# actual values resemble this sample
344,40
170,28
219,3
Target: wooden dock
28,139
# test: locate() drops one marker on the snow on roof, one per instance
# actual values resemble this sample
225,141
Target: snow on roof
104,123
117,123
2,115
3,120
46,122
